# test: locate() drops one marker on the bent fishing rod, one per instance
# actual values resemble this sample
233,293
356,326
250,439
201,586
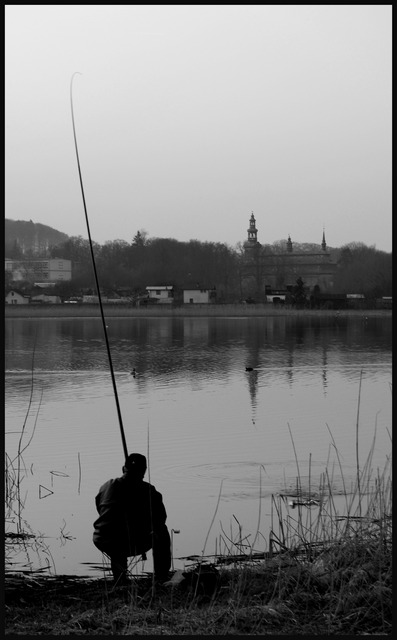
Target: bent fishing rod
96,276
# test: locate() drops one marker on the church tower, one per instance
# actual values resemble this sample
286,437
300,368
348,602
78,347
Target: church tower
252,270
252,240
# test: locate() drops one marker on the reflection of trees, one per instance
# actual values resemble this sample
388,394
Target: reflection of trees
253,389
324,373
184,347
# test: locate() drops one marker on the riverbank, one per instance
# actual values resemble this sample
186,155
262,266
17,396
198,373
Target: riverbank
168,311
346,589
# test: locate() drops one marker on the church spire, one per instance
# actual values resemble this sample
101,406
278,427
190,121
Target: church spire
323,244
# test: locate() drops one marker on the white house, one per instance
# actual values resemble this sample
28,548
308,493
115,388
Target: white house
199,296
276,297
14,297
163,294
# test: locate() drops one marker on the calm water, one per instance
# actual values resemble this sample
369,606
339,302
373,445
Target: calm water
206,421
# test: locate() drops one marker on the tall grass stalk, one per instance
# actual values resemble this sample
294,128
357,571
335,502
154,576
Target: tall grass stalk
213,519
357,453
259,507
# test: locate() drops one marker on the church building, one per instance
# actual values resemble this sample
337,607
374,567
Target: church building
268,267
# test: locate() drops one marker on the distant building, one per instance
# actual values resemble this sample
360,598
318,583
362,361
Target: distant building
384,303
42,270
15,269
268,268
44,285
43,298
199,295
15,297
276,296
163,294
90,299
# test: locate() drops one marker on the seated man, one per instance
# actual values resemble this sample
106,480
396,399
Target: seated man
131,521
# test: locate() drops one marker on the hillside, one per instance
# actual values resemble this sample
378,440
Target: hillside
29,238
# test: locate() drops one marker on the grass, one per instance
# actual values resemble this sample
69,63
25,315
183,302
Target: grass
324,572
345,589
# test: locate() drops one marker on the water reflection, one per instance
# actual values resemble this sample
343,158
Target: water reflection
186,345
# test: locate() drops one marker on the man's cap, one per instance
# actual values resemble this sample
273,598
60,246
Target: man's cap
136,463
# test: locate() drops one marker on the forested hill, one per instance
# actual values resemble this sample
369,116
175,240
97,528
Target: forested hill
29,238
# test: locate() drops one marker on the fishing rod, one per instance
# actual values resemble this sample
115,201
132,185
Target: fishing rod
96,277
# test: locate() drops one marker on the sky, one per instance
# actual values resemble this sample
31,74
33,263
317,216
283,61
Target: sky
190,117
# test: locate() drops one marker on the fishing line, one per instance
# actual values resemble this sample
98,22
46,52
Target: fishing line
96,276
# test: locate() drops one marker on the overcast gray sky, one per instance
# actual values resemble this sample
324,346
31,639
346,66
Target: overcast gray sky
190,117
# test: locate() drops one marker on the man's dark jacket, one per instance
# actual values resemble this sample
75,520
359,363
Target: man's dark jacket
130,510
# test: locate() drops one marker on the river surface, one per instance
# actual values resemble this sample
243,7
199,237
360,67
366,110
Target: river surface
221,440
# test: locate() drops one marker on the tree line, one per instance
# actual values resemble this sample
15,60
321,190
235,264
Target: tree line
131,266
